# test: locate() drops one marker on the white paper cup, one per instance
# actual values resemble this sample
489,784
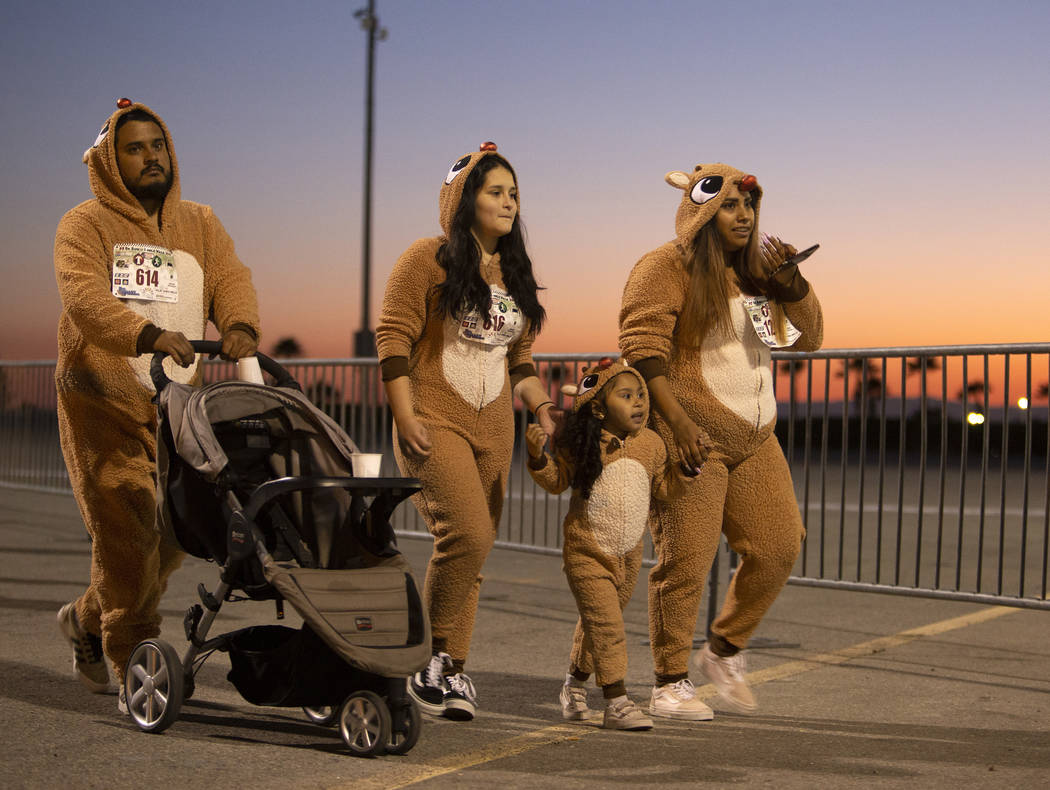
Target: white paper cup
366,464
248,370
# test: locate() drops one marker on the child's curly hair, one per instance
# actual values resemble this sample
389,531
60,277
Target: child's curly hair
580,441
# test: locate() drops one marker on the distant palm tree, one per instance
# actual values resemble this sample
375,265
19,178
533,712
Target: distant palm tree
867,378
792,368
915,364
974,392
287,348
922,367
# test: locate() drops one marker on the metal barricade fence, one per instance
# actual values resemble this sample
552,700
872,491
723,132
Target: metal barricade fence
918,471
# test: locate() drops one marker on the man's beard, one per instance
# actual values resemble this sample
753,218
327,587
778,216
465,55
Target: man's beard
153,190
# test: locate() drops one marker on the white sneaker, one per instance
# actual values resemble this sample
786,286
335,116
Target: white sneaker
573,700
122,701
88,661
622,714
678,700
727,675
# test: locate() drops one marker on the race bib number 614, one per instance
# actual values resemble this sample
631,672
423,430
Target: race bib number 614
142,271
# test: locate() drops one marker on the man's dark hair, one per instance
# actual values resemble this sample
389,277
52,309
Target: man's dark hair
134,115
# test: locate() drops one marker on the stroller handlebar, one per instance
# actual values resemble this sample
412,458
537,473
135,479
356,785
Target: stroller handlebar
212,349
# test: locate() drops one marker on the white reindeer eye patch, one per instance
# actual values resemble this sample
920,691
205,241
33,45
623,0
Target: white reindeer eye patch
705,189
456,168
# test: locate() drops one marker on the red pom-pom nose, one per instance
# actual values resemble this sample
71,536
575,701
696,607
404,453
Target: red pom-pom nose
122,103
488,145
747,183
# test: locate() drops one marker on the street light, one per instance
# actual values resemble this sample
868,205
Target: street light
364,338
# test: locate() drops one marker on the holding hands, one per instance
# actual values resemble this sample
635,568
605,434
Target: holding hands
535,439
693,443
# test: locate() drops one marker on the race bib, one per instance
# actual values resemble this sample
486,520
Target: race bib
762,320
142,271
501,327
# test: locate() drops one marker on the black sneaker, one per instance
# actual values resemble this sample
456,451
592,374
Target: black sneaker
461,701
428,687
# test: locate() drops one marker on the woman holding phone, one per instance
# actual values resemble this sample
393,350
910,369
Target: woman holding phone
699,317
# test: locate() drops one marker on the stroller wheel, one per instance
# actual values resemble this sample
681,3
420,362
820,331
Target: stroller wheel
323,715
364,723
404,733
153,685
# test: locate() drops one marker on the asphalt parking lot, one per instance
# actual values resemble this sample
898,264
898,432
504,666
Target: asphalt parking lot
855,690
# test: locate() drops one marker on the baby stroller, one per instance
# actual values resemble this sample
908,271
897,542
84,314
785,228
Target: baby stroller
260,481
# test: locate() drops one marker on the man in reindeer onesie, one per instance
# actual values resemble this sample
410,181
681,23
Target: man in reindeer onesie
139,270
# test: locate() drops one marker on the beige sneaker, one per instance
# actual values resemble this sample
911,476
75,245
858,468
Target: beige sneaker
573,700
88,661
727,675
678,700
622,714
122,701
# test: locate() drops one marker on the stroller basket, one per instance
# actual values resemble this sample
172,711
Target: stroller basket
286,667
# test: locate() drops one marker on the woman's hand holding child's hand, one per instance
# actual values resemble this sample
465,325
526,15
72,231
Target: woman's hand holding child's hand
693,443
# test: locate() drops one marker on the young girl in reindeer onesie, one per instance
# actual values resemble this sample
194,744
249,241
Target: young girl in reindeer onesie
699,317
613,463
455,337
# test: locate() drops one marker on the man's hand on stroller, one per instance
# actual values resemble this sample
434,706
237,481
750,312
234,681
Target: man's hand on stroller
176,346
236,344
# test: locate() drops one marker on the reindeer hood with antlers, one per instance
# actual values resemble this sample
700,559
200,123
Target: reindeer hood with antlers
705,191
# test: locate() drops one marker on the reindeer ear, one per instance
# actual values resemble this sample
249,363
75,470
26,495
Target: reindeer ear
569,389
677,179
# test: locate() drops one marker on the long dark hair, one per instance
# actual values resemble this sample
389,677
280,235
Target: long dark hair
706,307
580,439
464,289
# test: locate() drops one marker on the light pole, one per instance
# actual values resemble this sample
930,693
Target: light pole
364,338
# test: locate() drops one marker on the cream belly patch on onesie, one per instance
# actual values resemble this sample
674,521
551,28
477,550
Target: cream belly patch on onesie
473,358
185,315
619,506
737,370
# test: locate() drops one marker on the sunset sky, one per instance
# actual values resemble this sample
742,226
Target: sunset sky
908,139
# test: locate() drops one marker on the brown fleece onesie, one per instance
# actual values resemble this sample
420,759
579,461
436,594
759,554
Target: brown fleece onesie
602,550
725,387
461,376
105,416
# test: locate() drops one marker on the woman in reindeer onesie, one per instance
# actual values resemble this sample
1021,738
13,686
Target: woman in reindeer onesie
699,317
455,337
